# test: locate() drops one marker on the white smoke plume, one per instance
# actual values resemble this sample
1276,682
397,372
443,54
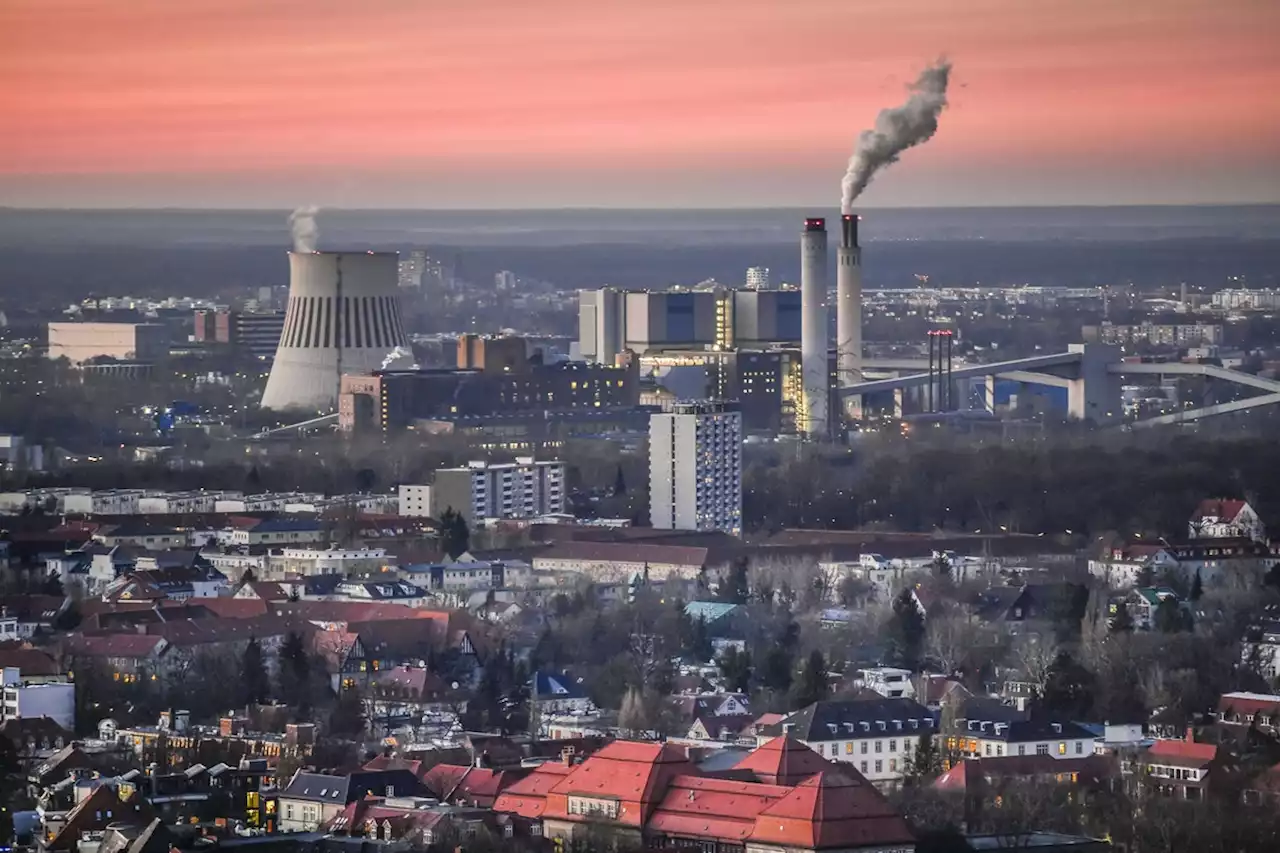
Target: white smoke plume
306,233
896,130
400,358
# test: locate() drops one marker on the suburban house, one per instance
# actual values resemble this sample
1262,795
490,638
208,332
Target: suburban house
1226,518
1175,768
1250,710
875,736
889,681
559,693
714,717
1261,648
311,800
1124,565
1144,603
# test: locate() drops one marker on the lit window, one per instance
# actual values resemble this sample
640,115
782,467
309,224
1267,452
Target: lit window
1062,749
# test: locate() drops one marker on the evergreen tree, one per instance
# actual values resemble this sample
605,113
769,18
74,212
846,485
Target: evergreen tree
257,687
700,647
924,763
619,482
455,536
1122,621
1170,617
735,668
775,669
1197,587
812,684
348,718
906,631
1069,688
294,671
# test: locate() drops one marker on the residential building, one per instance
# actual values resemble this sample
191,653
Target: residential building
326,561
1223,518
1174,768
984,728
521,489
622,561
1242,709
784,797
1143,605
559,693
34,698
889,681
757,278
875,736
80,342
415,501
1261,648
311,800
276,531
695,468
1124,565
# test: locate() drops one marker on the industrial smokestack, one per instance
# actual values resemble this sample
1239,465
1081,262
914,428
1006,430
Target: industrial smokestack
849,311
306,233
896,130
813,328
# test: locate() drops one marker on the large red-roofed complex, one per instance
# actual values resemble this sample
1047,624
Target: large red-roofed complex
783,796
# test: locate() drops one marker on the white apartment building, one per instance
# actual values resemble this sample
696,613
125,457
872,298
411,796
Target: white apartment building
326,561
757,278
55,700
415,501
111,502
522,489
695,468
183,502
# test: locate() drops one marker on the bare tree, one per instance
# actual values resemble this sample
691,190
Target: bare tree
1035,655
950,638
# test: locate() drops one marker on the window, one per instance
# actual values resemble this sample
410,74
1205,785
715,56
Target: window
893,765
1042,749
893,745
848,748
1022,749
864,747
1062,749
1079,747
879,746
862,765
879,766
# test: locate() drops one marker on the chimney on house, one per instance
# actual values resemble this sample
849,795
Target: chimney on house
1191,734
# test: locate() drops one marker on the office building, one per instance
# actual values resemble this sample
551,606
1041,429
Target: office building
757,278
410,270
521,489
254,333
80,342
695,468
504,281
415,501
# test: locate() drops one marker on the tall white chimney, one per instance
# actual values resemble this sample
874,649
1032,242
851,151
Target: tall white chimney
814,369
849,310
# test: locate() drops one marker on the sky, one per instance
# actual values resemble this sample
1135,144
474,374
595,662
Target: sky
630,103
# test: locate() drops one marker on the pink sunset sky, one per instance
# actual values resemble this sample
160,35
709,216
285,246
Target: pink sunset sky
617,103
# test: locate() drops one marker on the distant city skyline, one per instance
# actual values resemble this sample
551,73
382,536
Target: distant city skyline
667,103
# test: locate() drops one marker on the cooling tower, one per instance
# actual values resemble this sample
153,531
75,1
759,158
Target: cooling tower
814,369
342,318
849,308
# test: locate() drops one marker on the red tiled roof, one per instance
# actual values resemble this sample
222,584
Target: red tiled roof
528,796
30,662
973,772
635,774
1185,750
715,808
1248,704
1221,508
355,611
783,761
832,809
394,762
225,607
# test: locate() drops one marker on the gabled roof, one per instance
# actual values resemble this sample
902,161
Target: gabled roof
783,761
1245,704
710,611
115,645
476,785
837,808
30,662
102,807
972,773
1223,509
556,686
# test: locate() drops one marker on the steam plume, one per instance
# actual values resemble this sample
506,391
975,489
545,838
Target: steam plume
306,234
896,130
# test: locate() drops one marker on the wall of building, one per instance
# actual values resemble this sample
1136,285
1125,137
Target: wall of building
79,342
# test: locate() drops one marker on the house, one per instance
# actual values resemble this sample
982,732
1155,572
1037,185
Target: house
110,801
141,535
413,696
1032,602
983,782
1261,648
311,800
275,531
1124,565
1225,518
37,698
1144,603
1260,711
714,718
1239,559
720,618
23,616
877,736
415,822
1175,768
937,691
558,693
783,797
984,728
130,658
889,681
392,592
468,785
34,736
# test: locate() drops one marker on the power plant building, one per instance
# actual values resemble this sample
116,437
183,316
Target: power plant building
81,342
695,468
612,321
343,317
